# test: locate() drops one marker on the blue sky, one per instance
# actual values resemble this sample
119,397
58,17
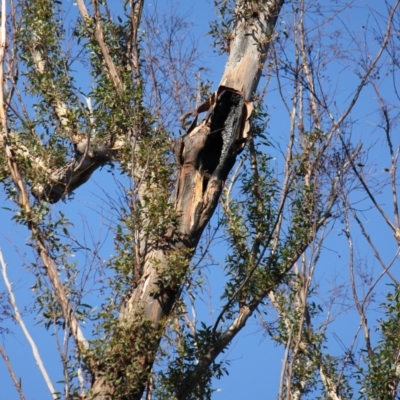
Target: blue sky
254,360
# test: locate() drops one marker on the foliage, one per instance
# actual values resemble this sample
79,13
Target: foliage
101,87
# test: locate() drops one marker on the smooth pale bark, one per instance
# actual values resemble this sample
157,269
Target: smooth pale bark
206,155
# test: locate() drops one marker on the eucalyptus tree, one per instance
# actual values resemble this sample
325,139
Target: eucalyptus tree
55,134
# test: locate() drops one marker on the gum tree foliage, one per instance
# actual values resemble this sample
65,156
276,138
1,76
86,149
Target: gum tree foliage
179,151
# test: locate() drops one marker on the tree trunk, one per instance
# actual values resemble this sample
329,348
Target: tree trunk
206,154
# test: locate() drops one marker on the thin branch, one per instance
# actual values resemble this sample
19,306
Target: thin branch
393,156
375,250
21,323
99,35
368,71
284,364
360,309
17,384
365,186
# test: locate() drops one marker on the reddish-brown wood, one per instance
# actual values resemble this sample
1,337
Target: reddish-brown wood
206,155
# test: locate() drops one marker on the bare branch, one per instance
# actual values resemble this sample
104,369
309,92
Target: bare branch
21,323
11,372
360,309
284,364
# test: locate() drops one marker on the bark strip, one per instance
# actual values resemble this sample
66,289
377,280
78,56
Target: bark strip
205,155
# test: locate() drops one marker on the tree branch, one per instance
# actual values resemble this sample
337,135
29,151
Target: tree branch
193,377
99,36
21,323
12,374
26,207
90,155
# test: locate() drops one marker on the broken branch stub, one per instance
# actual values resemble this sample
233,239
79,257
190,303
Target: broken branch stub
207,154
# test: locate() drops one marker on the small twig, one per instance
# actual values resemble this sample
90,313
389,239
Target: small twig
360,309
17,384
284,364
375,250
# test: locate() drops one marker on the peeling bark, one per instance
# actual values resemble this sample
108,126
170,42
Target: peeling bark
205,156
248,51
208,153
